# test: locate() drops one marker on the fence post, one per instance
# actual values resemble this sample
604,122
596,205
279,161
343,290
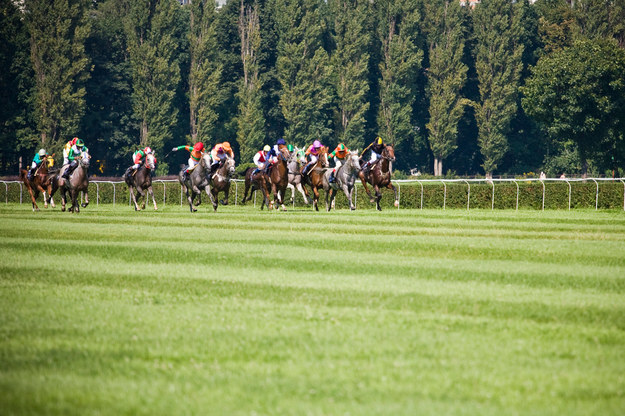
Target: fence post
623,193
444,195
6,193
114,196
569,184
468,193
398,194
597,195
164,192
97,194
21,193
236,192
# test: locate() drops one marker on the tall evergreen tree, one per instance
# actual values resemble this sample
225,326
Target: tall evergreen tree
58,32
250,133
303,70
447,75
498,64
398,31
205,71
153,45
350,63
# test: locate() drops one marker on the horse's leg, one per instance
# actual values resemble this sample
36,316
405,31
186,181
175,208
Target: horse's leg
134,199
348,193
190,196
304,193
364,184
84,205
378,197
43,191
328,195
213,193
315,198
75,206
391,186
143,196
63,199
33,199
151,193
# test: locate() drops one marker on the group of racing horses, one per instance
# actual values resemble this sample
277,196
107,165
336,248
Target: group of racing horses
285,173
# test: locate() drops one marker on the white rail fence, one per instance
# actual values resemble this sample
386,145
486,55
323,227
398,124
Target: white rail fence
117,185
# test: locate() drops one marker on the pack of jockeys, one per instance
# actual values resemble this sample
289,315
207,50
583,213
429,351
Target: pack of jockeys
137,158
196,153
313,152
220,152
74,152
339,154
377,146
39,158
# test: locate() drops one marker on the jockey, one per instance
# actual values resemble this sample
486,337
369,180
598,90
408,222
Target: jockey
137,157
339,154
260,159
272,156
74,152
66,148
196,154
313,152
220,152
39,158
376,151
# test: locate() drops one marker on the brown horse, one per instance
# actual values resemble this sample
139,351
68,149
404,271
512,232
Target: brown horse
220,182
379,176
255,182
316,177
141,180
279,178
41,182
78,182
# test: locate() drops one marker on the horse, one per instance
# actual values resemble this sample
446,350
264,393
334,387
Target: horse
379,176
78,182
344,179
254,183
197,181
141,180
221,181
294,164
279,179
41,182
316,175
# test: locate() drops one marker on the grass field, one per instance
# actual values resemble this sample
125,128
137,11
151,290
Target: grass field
246,312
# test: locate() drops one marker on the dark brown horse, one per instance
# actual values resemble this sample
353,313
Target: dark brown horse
316,177
41,182
141,181
279,178
220,182
255,182
78,182
379,176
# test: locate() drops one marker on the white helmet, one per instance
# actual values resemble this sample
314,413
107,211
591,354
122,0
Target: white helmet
42,152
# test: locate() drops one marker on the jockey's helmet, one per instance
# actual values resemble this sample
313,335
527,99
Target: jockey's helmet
80,143
198,147
341,147
316,144
74,140
42,152
280,142
226,146
266,148
290,148
379,140
147,150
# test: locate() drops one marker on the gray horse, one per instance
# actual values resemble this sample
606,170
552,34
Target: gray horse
197,181
221,181
344,179
78,182
294,164
141,180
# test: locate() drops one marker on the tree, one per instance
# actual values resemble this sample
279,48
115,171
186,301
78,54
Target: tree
303,71
205,71
60,64
153,44
398,31
498,63
446,75
578,93
350,63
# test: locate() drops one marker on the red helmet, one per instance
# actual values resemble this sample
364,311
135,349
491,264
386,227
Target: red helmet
74,140
147,150
198,147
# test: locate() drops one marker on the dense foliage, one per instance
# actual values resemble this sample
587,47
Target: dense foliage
502,88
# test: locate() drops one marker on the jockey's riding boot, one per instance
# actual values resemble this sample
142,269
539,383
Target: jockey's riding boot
185,175
365,168
67,172
29,176
332,178
127,172
254,172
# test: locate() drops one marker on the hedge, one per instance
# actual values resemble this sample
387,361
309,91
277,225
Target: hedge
583,194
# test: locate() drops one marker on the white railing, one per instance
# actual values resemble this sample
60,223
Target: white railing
398,183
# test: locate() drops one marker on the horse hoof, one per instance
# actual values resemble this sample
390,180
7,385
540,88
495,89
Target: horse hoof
396,203
84,205
372,200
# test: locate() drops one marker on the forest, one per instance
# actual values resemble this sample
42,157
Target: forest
497,88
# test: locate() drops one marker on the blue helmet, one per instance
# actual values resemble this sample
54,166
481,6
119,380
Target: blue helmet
280,141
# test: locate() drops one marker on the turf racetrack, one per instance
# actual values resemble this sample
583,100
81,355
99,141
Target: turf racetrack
246,312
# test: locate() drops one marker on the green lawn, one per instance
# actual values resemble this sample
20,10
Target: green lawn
247,312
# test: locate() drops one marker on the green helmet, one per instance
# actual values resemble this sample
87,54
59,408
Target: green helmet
80,143
290,148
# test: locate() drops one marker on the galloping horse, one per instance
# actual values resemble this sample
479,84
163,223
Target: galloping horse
141,180
197,181
316,175
279,178
344,179
41,182
78,182
294,164
221,181
254,183
380,176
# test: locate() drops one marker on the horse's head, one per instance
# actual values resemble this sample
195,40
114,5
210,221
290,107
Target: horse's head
389,153
229,163
84,159
300,154
206,159
323,156
150,161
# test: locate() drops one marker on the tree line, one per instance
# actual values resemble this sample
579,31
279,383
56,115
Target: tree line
506,87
